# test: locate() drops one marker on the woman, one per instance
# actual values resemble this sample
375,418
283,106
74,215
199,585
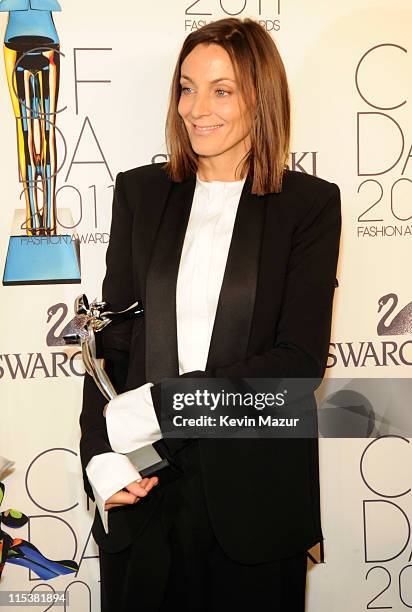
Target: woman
234,257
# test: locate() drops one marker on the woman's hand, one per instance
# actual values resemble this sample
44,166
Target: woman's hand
135,491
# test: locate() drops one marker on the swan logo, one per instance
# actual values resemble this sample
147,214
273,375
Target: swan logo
57,315
401,322
385,353
65,363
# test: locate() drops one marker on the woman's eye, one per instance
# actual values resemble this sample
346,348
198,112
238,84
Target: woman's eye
186,90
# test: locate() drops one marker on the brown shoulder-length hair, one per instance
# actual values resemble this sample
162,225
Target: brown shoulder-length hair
261,77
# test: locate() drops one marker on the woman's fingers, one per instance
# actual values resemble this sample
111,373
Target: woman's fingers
135,491
152,482
121,497
110,506
142,488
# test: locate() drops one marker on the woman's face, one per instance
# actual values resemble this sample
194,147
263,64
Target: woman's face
211,105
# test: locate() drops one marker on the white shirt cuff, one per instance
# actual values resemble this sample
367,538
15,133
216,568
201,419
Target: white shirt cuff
107,474
131,420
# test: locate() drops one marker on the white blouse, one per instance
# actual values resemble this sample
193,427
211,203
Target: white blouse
130,417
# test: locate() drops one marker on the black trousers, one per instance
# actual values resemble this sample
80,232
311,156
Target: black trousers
177,563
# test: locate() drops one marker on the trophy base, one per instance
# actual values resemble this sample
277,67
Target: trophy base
150,463
41,260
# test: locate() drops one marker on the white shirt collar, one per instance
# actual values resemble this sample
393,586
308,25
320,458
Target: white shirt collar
220,186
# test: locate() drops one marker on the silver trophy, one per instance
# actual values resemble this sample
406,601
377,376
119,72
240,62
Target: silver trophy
92,319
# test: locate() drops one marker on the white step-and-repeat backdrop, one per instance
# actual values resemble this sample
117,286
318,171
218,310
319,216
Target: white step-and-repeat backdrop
349,65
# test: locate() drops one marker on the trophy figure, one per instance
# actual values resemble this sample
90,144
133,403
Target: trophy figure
92,319
40,248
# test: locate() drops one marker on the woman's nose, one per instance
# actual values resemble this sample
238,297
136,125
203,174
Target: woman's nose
201,105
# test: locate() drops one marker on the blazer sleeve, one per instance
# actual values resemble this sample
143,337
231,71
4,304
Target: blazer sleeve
113,343
301,343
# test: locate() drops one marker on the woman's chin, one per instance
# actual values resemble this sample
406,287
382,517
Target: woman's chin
204,151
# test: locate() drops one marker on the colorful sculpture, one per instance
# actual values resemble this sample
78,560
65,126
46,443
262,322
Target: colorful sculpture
20,552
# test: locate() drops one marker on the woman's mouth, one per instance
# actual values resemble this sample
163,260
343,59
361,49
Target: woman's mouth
206,129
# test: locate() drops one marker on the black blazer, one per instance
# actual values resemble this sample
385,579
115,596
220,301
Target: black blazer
273,319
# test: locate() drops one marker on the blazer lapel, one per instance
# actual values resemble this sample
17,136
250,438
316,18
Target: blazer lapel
234,313
235,307
161,356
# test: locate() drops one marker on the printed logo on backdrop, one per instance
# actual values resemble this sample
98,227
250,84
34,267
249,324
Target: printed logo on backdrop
44,244
386,199
201,12
391,321
47,364
55,508
303,161
388,551
51,526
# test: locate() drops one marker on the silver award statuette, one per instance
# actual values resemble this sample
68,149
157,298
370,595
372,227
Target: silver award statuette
92,319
